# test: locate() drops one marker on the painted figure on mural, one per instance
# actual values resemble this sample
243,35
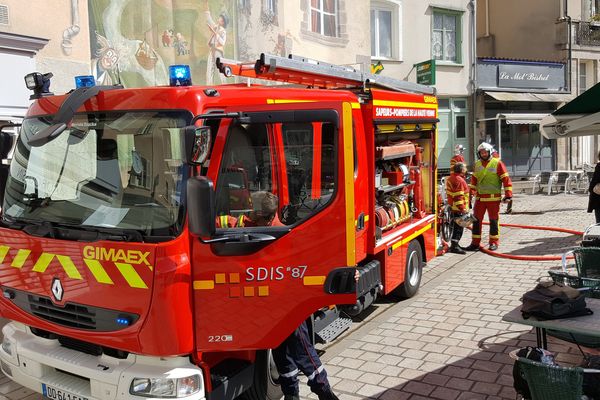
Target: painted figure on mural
167,38
105,66
181,45
216,43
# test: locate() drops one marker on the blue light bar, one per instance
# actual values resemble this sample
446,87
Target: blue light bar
180,75
85,81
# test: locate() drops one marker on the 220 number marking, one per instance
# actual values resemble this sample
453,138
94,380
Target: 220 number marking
220,338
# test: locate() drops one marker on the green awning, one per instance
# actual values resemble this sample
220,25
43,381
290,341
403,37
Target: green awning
585,103
579,117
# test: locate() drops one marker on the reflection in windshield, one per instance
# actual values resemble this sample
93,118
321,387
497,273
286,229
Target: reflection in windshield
110,170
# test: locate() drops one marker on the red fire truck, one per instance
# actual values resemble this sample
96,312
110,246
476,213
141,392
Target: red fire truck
117,277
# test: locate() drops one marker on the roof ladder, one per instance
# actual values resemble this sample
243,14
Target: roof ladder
317,74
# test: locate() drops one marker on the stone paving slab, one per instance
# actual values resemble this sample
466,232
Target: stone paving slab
449,342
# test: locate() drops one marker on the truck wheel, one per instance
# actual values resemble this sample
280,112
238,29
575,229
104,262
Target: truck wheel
265,385
413,271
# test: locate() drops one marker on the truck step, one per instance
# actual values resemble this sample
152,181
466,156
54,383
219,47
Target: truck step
333,330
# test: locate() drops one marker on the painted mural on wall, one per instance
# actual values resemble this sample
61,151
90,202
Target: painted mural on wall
134,41
260,28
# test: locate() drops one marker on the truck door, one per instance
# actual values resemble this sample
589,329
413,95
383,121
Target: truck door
252,293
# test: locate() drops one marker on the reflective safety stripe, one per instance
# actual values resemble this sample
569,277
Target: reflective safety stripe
313,280
3,252
98,271
240,221
69,267
290,374
476,236
315,373
131,276
224,221
20,258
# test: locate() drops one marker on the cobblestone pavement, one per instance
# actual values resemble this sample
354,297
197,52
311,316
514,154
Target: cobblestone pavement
448,342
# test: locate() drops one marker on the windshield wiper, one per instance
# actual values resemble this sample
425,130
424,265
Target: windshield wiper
68,231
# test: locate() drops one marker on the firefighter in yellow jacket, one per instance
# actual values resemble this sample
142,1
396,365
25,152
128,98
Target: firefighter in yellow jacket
489,175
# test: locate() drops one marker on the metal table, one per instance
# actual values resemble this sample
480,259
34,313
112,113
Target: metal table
586,325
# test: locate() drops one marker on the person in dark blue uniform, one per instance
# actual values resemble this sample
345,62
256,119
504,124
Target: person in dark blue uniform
297,354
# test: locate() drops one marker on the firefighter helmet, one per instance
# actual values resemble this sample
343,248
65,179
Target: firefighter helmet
459,149
486,147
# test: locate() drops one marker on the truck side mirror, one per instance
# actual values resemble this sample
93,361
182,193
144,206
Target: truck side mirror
201,206
196,142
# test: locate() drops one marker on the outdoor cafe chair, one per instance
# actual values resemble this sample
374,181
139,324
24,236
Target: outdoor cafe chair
587,278
587,262
551,382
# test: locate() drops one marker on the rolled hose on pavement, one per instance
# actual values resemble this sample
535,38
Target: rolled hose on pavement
530,258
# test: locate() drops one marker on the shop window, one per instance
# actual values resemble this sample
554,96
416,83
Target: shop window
324,17
446,40
386,29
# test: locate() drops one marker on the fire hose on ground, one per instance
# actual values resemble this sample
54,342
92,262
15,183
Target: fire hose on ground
531,258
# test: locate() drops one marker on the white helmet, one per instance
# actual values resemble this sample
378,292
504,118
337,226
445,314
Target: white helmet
487,147
459,149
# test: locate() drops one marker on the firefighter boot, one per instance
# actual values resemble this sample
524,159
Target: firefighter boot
493,246
472,247
328,395
455,248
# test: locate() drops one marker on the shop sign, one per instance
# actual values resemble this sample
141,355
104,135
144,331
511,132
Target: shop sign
426,72
524,76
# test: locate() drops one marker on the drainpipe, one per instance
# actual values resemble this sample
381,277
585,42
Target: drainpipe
569,72
70,32
473,72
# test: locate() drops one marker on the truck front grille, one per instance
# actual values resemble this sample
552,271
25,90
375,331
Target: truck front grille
72,315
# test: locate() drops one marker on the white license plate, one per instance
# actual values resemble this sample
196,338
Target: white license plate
57,394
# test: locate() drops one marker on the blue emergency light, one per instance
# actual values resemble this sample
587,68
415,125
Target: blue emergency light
123,321
180,75
85,81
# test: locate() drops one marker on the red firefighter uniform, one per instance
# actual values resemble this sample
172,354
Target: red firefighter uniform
457,193
458,158
487,180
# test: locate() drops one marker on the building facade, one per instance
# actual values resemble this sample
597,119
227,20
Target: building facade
406,33
51,36
544,40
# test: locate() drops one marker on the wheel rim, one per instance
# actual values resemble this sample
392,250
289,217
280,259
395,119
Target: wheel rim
413,269
273,374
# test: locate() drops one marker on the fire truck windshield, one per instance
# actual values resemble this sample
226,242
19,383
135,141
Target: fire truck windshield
108,170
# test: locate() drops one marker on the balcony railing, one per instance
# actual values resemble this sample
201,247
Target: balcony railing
588,34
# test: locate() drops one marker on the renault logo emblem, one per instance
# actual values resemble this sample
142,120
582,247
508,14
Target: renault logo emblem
57,289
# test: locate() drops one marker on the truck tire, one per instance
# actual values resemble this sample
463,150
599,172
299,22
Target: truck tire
265,385
413,270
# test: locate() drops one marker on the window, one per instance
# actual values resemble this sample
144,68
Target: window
446,36
385,29
247,182
324,17
461,126
589,9
269,12
3,14
582,77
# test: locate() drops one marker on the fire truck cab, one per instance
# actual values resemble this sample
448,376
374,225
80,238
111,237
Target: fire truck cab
157,242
